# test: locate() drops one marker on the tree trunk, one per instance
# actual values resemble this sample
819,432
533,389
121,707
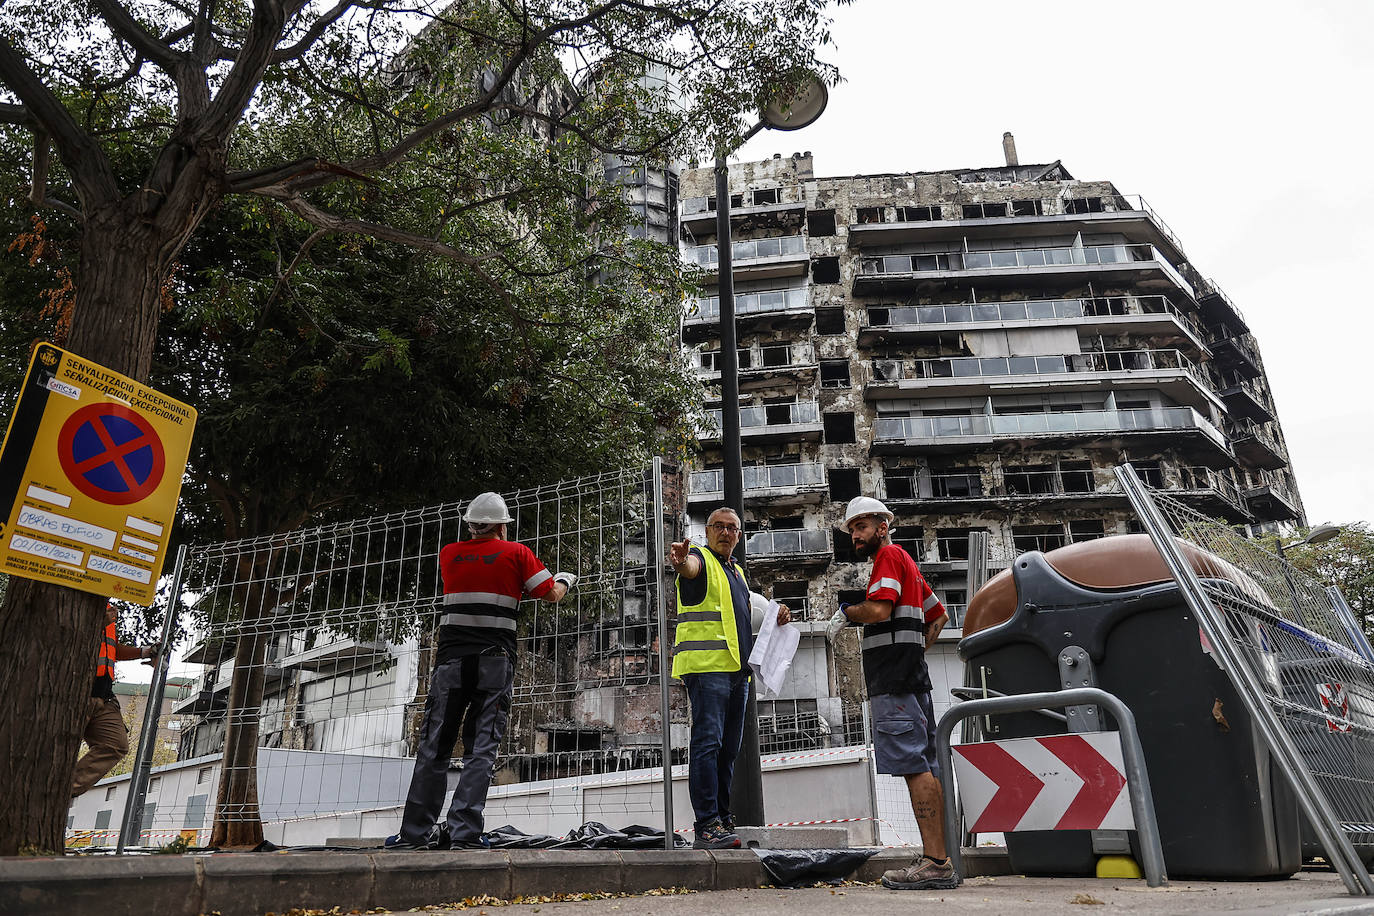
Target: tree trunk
238,822
50,634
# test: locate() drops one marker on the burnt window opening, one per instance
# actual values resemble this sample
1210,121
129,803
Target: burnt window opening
953,542
872,214
844,553
777,357
839,428
830,320
1077,476
1083,205
956,483
787,523
912,539
899,483
793,592
1037,537
844,484
1087,530
985,211
879,317
835,373
918,214
1034,207
820,223
777,414
1150,473
825,270
1029,479
765,196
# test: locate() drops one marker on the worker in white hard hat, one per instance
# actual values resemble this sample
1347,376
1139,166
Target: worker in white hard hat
485,577
715,636
900,616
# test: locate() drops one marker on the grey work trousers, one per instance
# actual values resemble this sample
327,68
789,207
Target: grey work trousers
469,696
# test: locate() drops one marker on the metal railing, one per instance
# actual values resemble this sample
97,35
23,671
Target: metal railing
793,542
891,370
1248,429
762,479
1240,343
799,356
1201,478
748,250
1018,258
801,412
1030,310
795,298
897,429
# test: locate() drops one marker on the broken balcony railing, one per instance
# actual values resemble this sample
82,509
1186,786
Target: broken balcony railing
748,250
762,480
897,429
752,303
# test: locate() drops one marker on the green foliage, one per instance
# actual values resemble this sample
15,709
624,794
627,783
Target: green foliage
1347,562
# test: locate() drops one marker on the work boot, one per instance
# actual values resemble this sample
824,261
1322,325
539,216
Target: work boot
436,838
923,874
713,835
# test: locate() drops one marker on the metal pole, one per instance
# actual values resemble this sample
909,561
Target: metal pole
746,793
657,517
1311,799
143,758
1132,756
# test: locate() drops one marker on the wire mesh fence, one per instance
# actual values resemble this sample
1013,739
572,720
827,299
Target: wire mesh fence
322,640
1307,655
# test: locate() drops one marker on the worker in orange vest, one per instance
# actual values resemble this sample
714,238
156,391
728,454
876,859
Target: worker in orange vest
107,739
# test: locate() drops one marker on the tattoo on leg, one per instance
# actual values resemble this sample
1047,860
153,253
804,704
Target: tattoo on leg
923,810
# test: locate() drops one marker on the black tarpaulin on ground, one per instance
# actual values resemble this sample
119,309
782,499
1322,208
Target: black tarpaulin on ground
792,867
591,835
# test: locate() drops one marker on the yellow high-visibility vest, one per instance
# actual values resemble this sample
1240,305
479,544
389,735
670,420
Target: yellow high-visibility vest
707,638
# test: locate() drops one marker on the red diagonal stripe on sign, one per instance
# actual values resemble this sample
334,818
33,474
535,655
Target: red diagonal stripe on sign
1102,782
1017,787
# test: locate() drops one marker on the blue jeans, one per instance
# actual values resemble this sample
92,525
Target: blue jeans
718,700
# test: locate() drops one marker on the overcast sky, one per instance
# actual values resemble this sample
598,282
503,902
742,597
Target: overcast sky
1245,125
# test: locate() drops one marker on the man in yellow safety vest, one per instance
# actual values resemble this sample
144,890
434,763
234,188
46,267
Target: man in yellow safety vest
711,655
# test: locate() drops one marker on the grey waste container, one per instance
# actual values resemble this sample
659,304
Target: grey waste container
1224,810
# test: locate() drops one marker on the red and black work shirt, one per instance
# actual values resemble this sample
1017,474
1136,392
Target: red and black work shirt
484,581
894,650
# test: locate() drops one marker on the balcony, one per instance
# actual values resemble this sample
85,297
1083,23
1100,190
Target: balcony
1168,371
755,310
1256,446
789,546
777,207
950,492
778,484
1142,265
899,434
1212,492
1244,399
1238,355
794,363
771,423
1218,310
756,259
1154,315
1126,214
1272,501
340,654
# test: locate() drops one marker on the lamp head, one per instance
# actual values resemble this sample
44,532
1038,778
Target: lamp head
1321,533
797,106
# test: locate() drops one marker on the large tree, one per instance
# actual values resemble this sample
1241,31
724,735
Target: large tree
389,89
1347,562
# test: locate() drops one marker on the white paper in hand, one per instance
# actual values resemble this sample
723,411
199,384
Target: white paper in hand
774,649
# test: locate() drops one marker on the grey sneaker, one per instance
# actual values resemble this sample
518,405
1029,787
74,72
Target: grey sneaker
714,836
923,874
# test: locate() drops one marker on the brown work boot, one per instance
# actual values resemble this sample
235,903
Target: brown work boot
923,874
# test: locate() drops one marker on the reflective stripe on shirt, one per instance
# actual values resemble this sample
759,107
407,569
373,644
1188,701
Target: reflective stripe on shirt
537,580
478,620
886,583
887,639
505,601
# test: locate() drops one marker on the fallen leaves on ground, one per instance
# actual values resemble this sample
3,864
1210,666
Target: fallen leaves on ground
485,900
1087,899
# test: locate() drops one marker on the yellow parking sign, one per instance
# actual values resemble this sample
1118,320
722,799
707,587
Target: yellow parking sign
90,473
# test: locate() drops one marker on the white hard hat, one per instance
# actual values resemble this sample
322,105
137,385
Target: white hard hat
860,506
487,509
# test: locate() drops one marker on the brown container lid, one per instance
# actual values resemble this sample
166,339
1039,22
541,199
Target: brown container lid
1120,562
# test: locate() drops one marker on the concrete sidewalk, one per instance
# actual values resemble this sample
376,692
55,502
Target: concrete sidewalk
250,884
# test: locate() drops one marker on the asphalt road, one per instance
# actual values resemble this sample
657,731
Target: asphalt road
1309,892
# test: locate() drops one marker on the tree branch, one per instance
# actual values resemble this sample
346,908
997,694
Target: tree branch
127,28
85,160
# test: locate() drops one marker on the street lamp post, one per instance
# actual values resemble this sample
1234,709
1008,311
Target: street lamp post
788,111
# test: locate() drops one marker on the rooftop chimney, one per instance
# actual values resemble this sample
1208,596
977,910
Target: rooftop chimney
1009,148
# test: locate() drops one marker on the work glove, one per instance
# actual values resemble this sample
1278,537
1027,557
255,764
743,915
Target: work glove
837,623
567,578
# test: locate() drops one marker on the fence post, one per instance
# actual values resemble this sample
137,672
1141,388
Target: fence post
659,592
143,757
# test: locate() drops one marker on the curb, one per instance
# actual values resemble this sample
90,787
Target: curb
250,884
